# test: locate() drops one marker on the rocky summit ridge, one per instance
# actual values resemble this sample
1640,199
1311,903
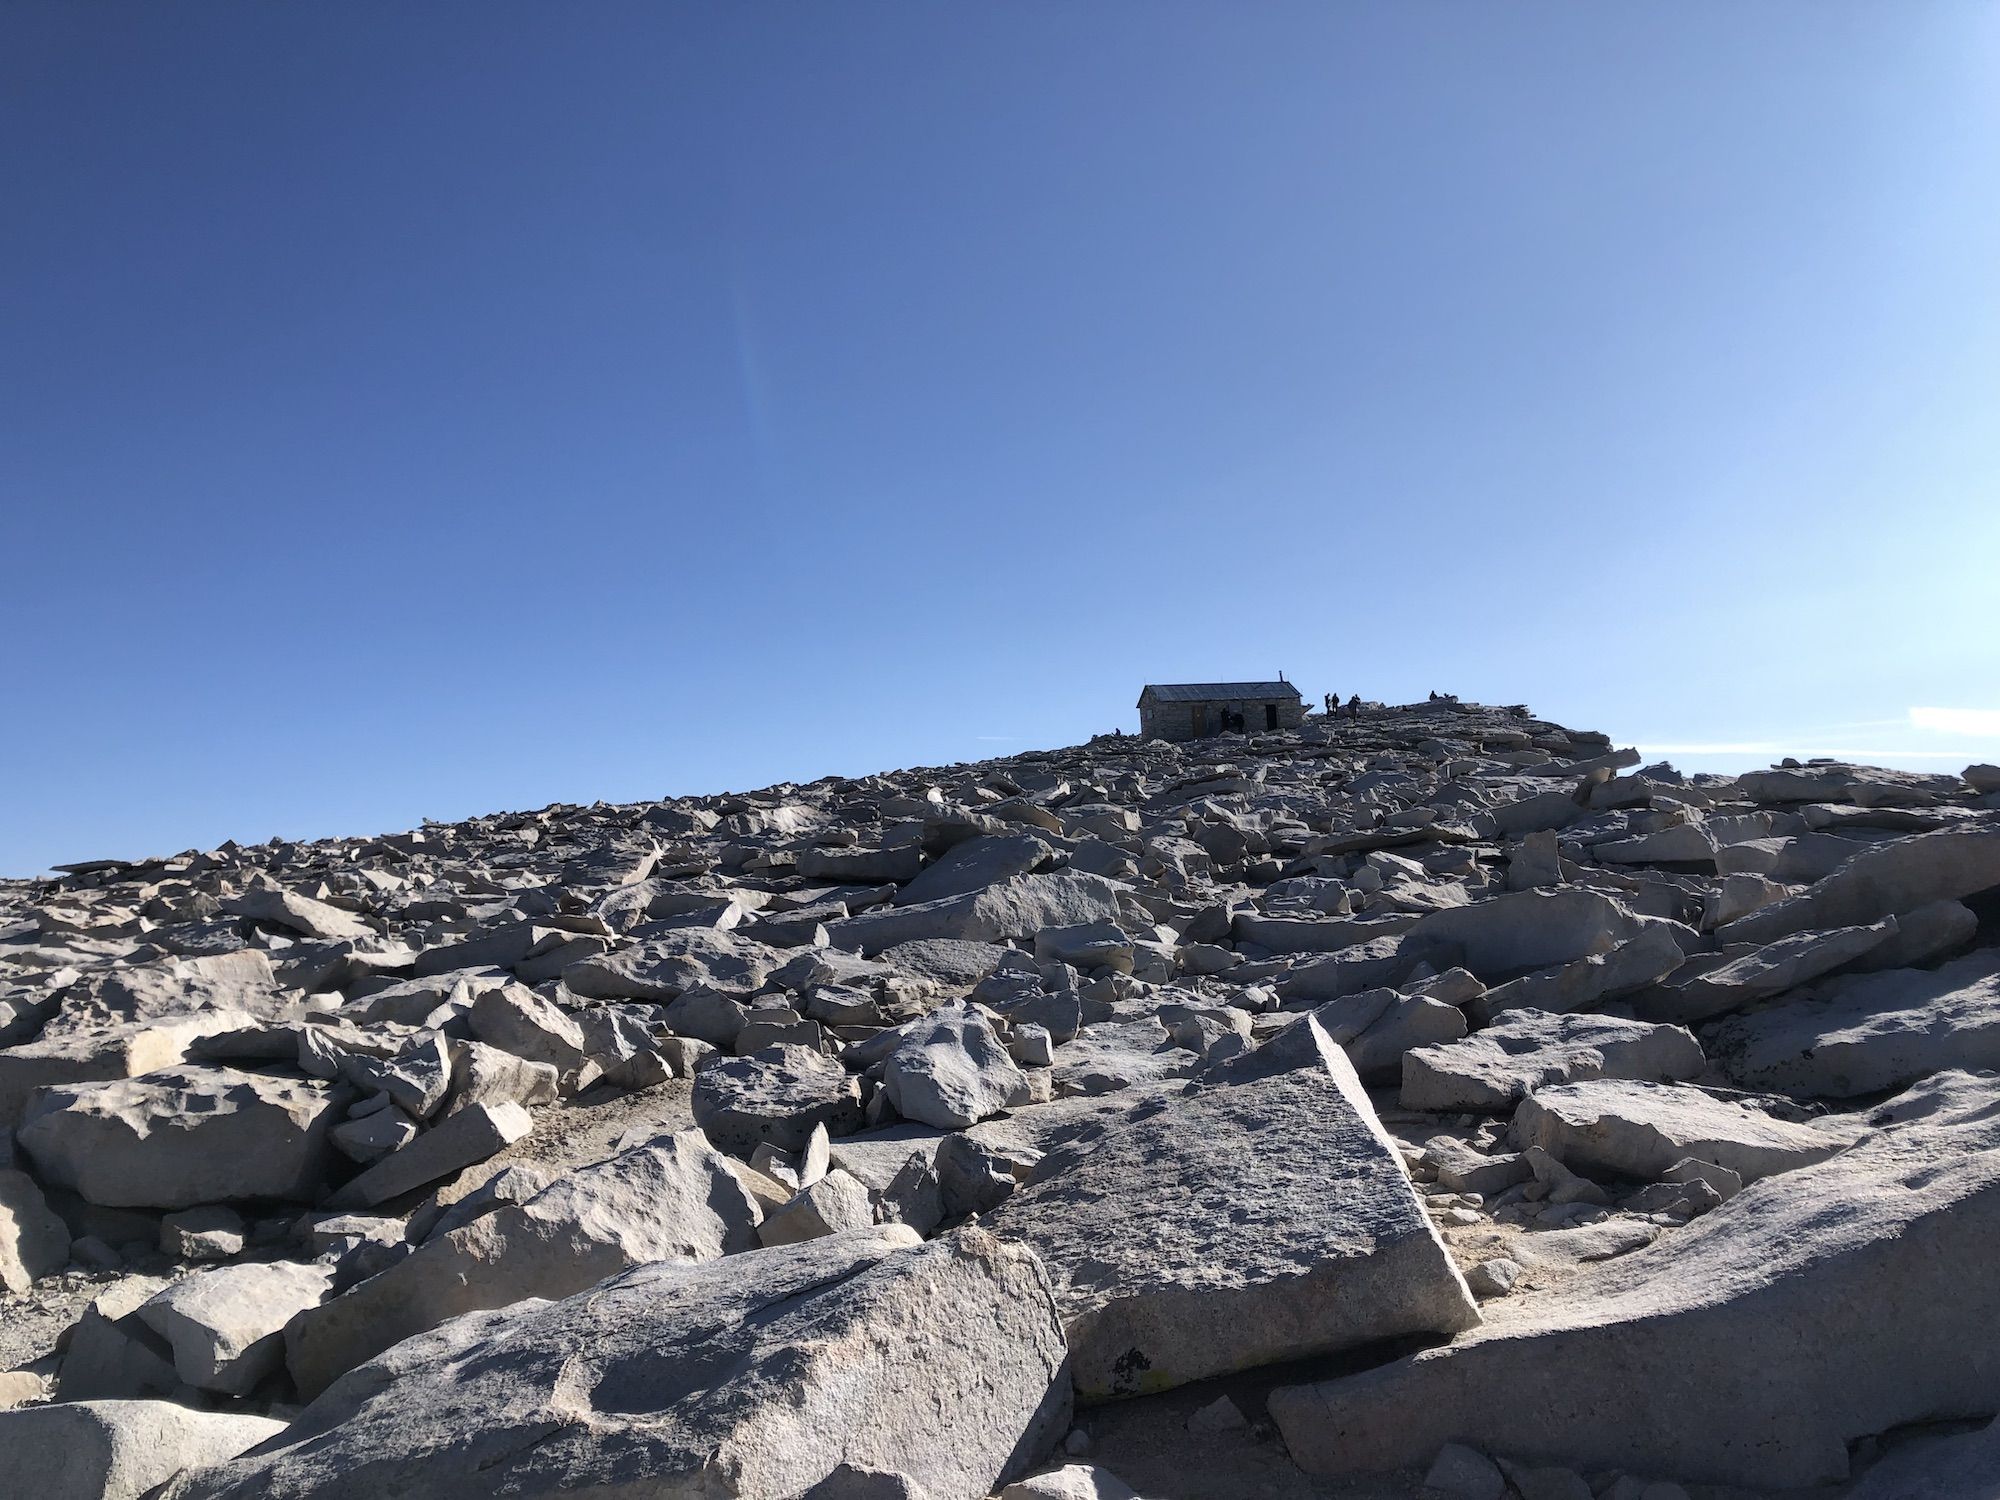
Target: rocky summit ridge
1427,1101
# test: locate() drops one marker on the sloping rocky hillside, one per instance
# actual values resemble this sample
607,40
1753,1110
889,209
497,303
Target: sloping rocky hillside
1426,1102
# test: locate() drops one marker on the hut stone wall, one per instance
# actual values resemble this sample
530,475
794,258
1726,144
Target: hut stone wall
1193,721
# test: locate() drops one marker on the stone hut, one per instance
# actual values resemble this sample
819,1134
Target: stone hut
1195,710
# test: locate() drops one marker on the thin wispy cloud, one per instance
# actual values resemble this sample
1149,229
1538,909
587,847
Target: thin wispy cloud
1831,741
1717,747
1806,752
1885,755
1982,721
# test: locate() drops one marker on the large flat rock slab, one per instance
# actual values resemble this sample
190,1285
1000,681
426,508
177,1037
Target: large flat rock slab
1749,1348
184,1136
668,966
1526,1050
115,1450
1525,930
1018,907
1621,1128
95,1055
753,1376
1868,1033
775,1096
1261,1217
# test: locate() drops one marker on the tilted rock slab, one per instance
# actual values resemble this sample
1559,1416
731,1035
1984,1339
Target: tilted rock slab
1883,880
464,1137
667,967
1964,1466
111,1354
1652,955
1408,1022
115,1450
1014,908
515,1019
1111,1056
227,1326
753,1376
1526,1050
899,862
1526,930
1261,1217
1620,1128
1748,1349
93,1056
300,914
974,865
1684,843
1781,965
184,1136
1924,935
673,1198
1374,964
1870,1032
34,1240
178,988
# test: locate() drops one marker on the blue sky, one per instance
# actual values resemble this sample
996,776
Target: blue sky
425,410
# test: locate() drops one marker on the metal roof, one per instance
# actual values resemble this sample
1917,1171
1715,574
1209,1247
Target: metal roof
1209,692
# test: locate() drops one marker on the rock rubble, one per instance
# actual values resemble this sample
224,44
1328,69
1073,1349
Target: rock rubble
1432,1094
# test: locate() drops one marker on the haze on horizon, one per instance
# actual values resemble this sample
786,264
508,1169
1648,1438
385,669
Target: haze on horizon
417,412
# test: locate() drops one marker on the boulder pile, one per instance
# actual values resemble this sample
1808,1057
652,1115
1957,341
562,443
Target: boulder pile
1431,1101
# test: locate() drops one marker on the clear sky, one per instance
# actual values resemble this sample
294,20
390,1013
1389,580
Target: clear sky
421,410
